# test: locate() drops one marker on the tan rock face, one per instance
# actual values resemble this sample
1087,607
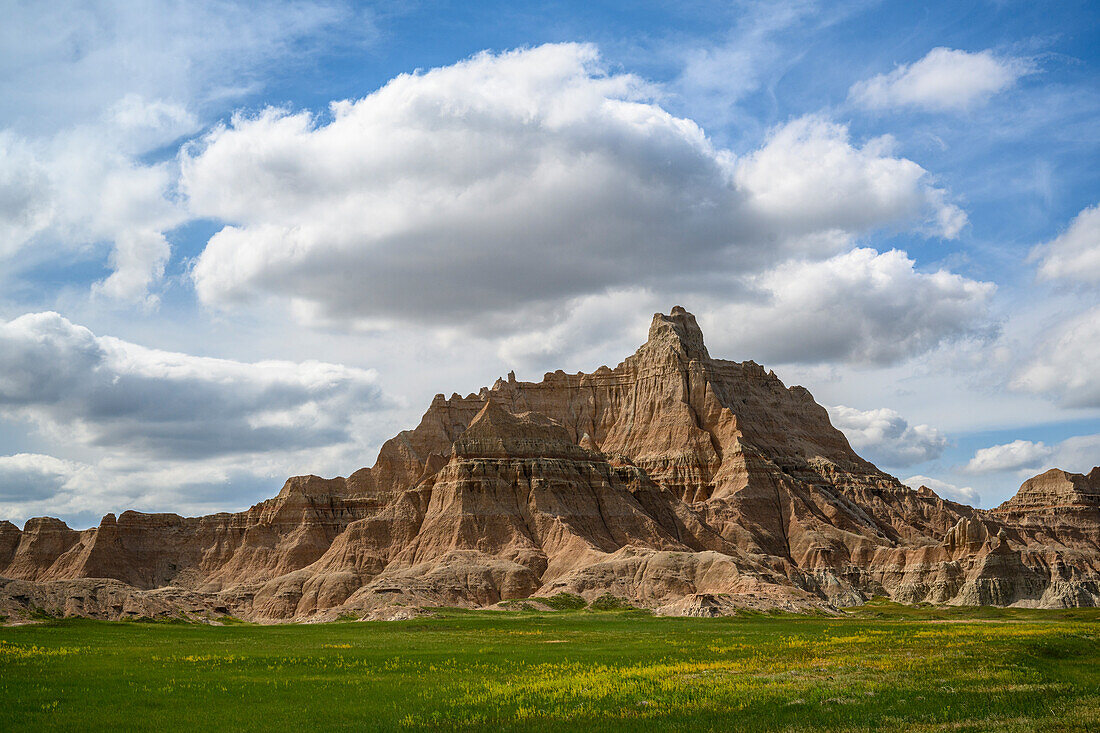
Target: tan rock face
1055,489
675,481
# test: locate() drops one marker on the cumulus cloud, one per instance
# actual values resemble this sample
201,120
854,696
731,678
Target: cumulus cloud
884,436
26,203
961,494
808,178
1074,254
944,80
137,259
81,493
1009,457
1079,454
588,331
32,476
85,186
90,92
523,179
861,307
1064,365
102,391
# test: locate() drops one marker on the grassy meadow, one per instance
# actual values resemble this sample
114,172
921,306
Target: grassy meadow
880,667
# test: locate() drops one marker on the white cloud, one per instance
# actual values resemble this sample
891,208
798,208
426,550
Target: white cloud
138,260
90,92
1025,458
1019,454
32,476
138,428
69,61
1064,365
961,494
885,437
26,203
1074,254
104,392
808,178
524,179
589,331
85,186
80,493
148,124
861,307
1079,454
944,80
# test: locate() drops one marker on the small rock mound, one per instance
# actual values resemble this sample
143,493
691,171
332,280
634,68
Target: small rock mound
1055,488
495,432
700,605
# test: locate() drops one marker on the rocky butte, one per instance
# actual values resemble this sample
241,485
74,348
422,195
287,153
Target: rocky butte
675,481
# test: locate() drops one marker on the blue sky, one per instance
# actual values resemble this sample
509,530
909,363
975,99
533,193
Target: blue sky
238,245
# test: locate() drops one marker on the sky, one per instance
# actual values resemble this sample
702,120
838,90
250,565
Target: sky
240,244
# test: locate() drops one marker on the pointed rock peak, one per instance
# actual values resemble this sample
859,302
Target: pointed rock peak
587,443
492,413
680,331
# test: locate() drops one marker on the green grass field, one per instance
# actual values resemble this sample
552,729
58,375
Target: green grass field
882,667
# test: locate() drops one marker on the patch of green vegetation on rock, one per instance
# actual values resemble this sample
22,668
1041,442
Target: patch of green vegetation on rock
228,620
35,613
564,602
608,602
157,620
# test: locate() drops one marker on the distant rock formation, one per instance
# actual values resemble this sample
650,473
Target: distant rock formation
676,482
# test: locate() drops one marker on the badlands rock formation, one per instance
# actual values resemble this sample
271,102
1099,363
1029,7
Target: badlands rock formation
677,482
